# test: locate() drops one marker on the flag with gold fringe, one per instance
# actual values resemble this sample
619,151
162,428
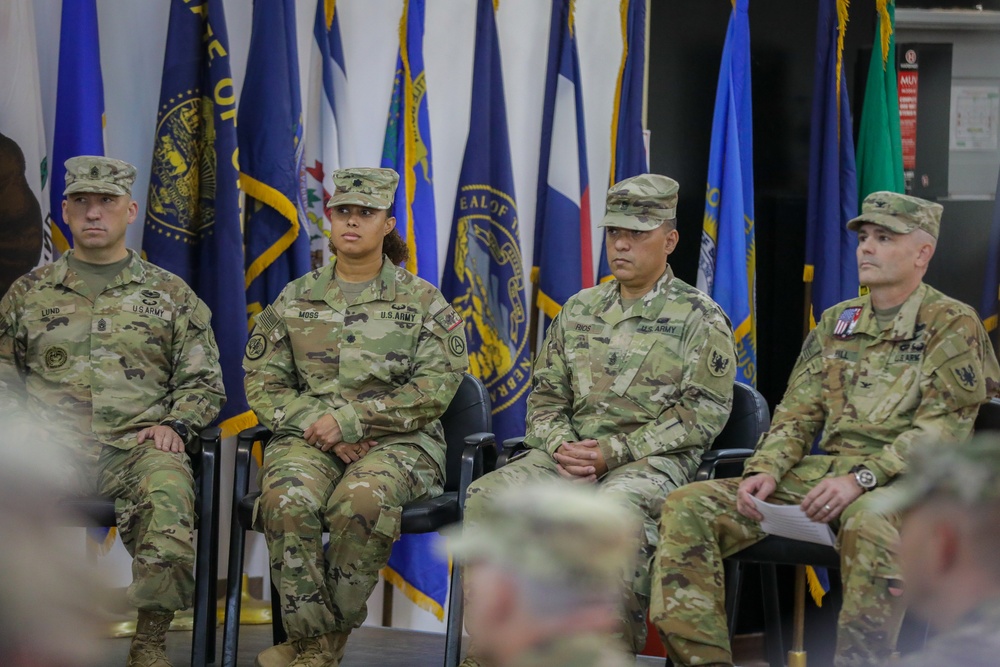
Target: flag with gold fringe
79,127
727,266
484,271
990,305
269,130
415,566
326,110
192,225
628,147
563,256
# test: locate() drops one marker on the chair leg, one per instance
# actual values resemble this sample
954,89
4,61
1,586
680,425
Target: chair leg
234,582
734,589
278,633
453,627
772,615
204,602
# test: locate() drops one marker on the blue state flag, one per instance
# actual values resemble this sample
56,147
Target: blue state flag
79,127
407,147
628,146
269,130
727,266
831,265
415,565
990,306
563,255
325,114
192,223
484,272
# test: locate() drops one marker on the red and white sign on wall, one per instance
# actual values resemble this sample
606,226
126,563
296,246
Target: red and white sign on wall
907,85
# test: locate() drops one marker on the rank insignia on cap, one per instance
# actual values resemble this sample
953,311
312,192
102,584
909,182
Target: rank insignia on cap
95,172
357,182
847,322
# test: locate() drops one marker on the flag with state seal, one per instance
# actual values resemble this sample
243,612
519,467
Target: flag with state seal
484,272
192,225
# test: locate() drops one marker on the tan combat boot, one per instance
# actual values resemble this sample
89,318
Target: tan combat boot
149,645
323,651
279,655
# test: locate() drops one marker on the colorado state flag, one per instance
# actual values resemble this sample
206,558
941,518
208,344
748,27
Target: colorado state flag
484,274
727,267
192,224
564,259
270,141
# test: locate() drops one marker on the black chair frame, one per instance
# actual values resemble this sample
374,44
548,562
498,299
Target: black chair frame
98,511
471,450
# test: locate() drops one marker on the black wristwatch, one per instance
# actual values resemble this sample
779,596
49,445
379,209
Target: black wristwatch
865,478
180,428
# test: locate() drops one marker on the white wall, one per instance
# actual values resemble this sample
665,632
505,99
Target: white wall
133,35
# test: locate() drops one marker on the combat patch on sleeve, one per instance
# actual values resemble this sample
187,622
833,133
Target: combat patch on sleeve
448,318
256,347
718,362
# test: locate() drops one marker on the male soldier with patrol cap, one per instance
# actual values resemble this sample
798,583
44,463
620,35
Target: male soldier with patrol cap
949,500
114,359
546,561
879,372
633,382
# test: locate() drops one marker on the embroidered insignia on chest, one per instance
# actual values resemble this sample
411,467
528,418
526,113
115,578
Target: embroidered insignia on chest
847,322
55,357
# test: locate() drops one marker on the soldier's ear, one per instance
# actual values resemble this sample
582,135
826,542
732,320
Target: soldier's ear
673,236
133,211
390,224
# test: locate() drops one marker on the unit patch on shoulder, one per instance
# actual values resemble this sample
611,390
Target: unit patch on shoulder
966,376
256,347
448,318
718,363
457,345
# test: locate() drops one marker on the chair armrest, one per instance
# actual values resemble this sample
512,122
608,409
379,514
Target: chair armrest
712,459
478,456
511,446
244,447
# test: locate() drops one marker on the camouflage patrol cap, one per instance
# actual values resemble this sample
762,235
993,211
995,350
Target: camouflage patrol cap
899,213
967,473
364,186
98,174
642,202
552,531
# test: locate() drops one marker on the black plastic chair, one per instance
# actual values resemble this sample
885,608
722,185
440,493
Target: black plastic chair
471,449
773,551
99,511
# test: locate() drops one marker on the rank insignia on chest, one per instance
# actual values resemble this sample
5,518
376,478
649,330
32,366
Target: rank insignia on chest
847,322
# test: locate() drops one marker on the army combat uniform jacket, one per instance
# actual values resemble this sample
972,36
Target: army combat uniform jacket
385,367
654,382
106,366
974,643
873,393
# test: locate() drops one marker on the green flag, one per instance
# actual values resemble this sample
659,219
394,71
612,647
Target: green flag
880,149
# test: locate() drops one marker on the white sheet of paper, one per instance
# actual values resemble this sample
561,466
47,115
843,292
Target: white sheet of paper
791,521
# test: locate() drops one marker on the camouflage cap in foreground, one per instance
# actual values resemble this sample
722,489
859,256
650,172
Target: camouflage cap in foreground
553,531
98,174
967,473
364,186
899,213
642,202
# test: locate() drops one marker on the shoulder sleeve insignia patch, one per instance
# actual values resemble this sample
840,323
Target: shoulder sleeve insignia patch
718,363
966,376
267,320
448,318
256,347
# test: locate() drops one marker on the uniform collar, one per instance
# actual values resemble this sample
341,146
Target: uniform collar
649,307
134,271
904,325
328,290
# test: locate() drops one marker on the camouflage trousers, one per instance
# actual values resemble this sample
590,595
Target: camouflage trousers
637,486
306,492
154,508
701,526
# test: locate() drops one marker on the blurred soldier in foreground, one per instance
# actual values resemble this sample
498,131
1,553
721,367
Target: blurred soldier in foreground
47,594
877,374
633,383
546,560
115,360
949,541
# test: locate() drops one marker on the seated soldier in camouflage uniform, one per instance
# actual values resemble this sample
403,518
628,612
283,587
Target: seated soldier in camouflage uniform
949,539
351,367
546,561
115,358
878,373
633,383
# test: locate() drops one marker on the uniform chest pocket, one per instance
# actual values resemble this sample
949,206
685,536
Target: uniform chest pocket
587,354
54,333
891,390
314,336
651,373
382,352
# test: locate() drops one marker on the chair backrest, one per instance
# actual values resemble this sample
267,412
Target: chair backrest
469,412
748,420
988,418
